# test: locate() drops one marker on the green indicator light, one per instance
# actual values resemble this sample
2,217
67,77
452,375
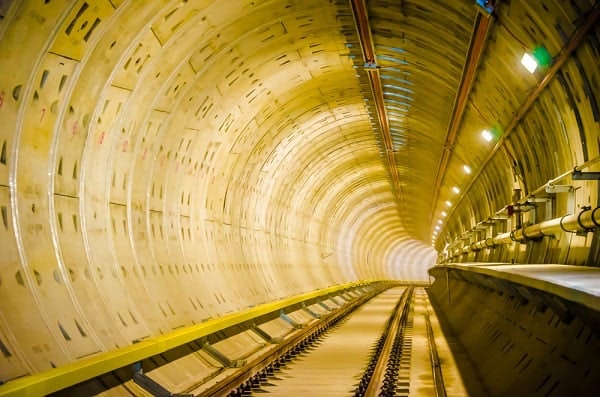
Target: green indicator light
542,56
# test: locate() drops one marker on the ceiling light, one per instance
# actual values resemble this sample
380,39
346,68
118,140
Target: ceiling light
456,190
467,169
448,204
529,62
437,227
444,213
440,221
487,135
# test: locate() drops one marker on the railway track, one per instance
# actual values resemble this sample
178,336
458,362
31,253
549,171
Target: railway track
386,347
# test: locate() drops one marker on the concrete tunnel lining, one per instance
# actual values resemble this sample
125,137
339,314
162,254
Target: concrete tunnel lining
142,114
150,148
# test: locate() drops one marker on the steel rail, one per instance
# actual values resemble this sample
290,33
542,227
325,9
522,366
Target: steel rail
254,369
396,328
79,371
436,369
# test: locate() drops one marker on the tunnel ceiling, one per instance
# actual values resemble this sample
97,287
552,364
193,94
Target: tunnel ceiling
285,133
419,50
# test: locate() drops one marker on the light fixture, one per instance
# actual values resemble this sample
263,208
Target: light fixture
444,213
456,190
440,221
467,169
529,62
437,227
538,57
487,135
448,204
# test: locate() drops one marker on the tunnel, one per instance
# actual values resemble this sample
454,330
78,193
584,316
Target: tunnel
188,186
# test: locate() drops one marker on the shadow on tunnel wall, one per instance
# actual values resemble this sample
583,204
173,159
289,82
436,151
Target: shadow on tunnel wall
519,347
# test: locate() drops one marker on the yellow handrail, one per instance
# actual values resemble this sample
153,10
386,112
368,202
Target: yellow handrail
76,372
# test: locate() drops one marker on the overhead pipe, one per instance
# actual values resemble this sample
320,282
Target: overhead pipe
509,210
584,221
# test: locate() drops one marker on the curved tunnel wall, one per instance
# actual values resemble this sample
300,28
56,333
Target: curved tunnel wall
166,162
532,144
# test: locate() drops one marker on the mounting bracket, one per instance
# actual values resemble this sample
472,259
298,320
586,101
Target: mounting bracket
585,176
569,189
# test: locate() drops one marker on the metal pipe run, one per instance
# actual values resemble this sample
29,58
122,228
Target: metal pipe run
584,221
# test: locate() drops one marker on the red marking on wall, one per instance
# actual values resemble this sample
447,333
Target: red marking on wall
101,138
125,145
1,98
74,129
43,113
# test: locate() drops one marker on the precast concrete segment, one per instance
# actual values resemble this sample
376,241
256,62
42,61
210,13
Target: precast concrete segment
335,365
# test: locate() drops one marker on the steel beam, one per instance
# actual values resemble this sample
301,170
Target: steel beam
481,29
361,18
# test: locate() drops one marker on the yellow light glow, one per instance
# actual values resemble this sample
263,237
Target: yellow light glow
487,135
456,190
448,204
529,62
467,169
